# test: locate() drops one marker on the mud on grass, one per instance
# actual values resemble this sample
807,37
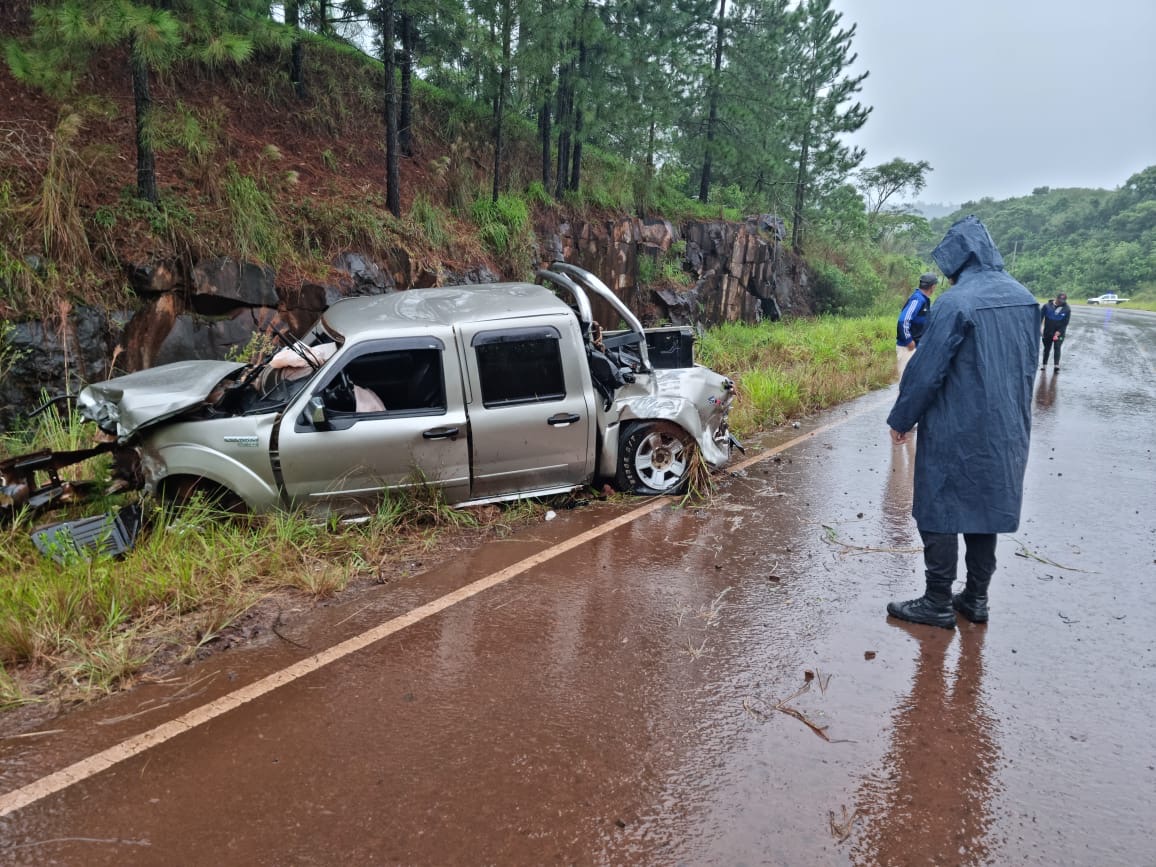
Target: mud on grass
197,583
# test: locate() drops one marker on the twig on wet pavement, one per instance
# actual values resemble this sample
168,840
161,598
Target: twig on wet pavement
821,731
832,536
695,652
111,721
784,706
820,678
842,829
196,682
39,734
710,614
753,712
115,840
1029,554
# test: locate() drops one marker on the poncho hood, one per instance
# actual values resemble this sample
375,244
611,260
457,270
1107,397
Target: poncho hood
967,244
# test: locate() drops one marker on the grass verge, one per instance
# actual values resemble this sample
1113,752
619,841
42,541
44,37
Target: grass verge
75,630
786,370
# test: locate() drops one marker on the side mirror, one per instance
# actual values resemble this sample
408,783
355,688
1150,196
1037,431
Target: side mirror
317,414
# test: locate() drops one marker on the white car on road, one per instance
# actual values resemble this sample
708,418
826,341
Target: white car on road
1107,298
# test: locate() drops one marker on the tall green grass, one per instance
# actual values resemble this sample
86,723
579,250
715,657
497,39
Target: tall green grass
430,220
257,230
787,369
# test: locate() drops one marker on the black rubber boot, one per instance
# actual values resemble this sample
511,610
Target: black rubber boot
933,608
972,602
980,562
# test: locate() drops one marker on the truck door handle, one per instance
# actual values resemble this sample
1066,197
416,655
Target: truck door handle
563,418
440,433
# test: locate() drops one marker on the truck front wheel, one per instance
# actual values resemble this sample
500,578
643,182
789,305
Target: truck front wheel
654,458
181,491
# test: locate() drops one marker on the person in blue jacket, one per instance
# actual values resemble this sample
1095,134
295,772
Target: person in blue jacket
969,389
1054,315
912,320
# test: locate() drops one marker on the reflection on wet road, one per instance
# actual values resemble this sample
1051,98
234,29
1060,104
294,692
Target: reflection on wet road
698,686
934,794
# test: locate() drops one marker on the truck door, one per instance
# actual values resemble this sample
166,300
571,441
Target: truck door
530,407
389,413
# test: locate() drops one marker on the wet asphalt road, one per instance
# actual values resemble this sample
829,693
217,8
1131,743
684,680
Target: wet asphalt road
643,698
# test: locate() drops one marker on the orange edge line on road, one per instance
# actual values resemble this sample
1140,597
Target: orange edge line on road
47,785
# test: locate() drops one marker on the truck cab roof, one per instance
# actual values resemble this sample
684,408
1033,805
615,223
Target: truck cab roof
448,306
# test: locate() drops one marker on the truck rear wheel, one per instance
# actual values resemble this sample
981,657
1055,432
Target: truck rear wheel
654,458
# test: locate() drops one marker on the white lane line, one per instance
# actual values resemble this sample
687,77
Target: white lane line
57,781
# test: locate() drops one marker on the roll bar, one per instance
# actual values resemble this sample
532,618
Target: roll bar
585,314
592,283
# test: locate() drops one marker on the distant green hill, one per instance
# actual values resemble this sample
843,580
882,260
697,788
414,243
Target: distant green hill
1080,241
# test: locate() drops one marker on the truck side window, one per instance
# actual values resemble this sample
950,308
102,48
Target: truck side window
523,365
404,380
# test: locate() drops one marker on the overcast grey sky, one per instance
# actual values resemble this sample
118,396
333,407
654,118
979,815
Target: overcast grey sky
1002,96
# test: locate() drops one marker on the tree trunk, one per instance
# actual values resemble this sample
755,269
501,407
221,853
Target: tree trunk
500,102
545,135
293,19
405,121
650,148
712,116
576,156
800,193
565,102
146,173
392,172
644,193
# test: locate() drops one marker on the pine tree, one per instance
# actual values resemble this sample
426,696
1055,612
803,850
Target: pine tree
822,160
66,36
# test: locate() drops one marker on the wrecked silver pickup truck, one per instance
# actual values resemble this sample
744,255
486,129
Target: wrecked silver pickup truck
489,393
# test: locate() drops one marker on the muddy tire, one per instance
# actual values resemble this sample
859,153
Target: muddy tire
654,458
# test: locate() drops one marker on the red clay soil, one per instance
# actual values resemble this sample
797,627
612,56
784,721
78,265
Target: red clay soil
334,144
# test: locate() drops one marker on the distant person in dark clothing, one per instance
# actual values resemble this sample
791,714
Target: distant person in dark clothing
1055,316
912,320
969,389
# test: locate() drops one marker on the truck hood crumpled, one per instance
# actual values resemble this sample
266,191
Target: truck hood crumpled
137,400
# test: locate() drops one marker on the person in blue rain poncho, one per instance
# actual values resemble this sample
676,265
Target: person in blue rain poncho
969,390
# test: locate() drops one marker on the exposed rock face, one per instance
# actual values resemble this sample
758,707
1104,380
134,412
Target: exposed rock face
363,277
59,357
221,285
734,272
726,272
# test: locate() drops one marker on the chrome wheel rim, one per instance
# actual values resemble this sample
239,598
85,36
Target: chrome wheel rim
661,461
